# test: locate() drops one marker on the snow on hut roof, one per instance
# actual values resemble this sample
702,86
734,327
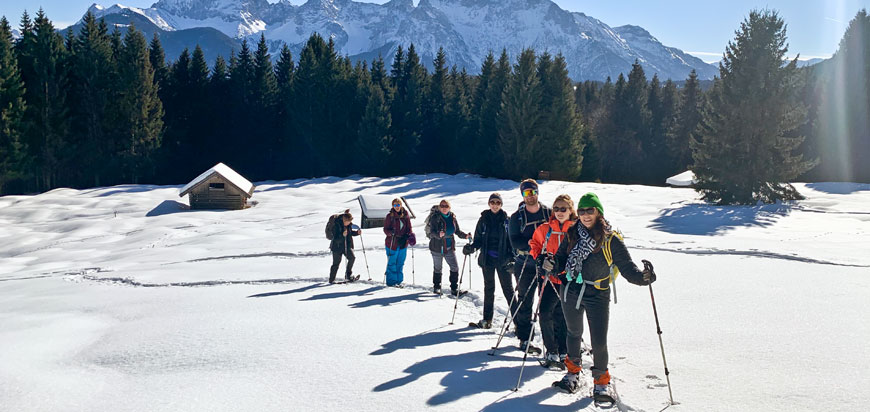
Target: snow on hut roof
377,206
234,178
684,179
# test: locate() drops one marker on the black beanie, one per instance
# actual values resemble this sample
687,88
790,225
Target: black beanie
495,196
528,184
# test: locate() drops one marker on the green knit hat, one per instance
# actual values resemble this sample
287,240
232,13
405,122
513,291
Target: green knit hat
590,200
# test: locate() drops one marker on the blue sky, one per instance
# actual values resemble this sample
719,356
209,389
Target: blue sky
702,28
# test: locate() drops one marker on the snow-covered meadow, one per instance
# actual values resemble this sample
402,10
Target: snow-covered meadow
121,299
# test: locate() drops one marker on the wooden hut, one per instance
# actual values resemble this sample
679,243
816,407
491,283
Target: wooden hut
219,188
375,209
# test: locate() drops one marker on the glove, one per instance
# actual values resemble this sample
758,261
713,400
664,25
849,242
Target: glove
540,259
548,264
467,249
649,274
412,239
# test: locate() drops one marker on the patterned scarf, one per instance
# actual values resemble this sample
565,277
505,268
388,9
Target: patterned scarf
581,250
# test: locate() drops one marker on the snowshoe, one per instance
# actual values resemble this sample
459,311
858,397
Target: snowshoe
437,290
529,348
603,396
399,286
482,324
552,362
458,293
351,278
570,383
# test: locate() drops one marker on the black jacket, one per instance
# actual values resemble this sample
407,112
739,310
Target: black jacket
523,225
435,224
595,266
492,226
340,242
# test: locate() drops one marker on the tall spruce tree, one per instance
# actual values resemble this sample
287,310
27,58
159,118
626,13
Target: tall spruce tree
12,159
746,152
42,60
141,110
436,141
285,70
407,111
264,137
626,130
684,131
521,119
841,135
487,102
457,121
562,131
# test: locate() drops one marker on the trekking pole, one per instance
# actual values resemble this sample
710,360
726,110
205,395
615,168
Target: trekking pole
456,297
363,244
531,332
413,267
512,313
648,265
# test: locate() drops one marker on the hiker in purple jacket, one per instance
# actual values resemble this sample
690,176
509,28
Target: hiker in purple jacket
397,227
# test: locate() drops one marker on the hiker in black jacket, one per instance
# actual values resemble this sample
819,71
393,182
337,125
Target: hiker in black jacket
581,263
491,238
523,223
441,225
342,244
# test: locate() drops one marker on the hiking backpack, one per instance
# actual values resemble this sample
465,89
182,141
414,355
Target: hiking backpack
330,226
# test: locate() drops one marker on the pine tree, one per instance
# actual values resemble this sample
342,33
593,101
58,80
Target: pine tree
12,107
42,58
562,132
626,129
373,143
520,119
841,135
745,154
457,122
656,156
220,130
685,128
264,136
141,108
157,59
285,71
407,112
435,140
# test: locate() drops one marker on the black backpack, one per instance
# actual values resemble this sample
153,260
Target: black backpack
330,226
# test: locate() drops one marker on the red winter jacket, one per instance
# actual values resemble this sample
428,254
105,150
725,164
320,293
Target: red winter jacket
397,227
557,235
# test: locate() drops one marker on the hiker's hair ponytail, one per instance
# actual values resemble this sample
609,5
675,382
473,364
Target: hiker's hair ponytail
346,215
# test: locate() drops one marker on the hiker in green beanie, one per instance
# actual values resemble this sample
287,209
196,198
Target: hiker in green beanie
583,264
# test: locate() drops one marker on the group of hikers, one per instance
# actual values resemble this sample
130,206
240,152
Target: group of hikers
565,256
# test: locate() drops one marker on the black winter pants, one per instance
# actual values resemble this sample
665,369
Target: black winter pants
596,305
336,260
507,288
553,328
526,279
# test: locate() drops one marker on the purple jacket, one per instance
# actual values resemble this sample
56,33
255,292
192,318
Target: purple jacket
397,227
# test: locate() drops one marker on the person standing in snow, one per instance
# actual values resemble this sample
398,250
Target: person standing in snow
397,227
441,225
523,224
582,265
342,244
545,242
491,238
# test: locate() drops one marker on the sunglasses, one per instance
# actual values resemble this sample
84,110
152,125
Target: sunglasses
444,206
397,205
560,209
494,202
587,211
529,192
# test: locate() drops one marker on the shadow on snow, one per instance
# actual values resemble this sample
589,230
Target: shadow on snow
702,219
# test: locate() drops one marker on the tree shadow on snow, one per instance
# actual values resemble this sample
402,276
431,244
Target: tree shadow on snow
287,292
337,295
703,219
466,375
387,301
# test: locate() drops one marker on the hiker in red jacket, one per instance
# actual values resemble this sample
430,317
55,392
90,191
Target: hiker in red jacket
545,242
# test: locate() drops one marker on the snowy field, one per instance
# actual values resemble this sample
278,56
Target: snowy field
121,299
